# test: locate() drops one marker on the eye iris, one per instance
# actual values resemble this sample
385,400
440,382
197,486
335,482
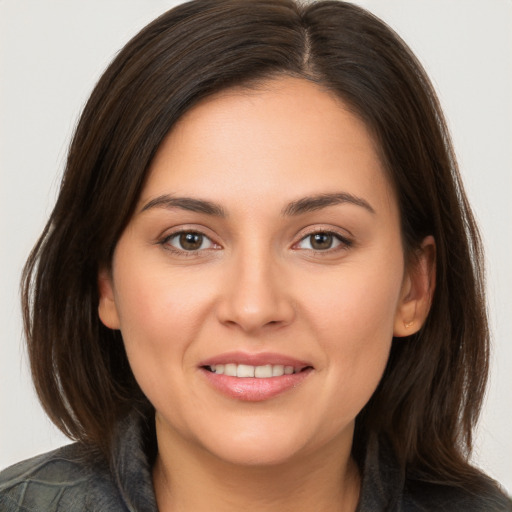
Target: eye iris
321,241
191,241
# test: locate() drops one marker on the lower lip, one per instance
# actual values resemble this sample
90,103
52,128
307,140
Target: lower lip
253,389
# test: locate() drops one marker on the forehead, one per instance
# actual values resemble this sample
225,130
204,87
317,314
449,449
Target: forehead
284,139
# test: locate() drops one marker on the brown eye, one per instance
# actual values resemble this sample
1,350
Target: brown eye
188,241
321,241
191,241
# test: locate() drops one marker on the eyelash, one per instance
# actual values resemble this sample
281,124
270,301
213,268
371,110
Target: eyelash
344,243
183,252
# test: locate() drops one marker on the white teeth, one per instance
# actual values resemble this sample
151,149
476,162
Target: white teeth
230,369
246,370
277,370
263,372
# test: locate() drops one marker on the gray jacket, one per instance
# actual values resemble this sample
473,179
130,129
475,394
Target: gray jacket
71,479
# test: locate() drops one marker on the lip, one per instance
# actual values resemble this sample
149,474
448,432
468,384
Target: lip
259,359
252,389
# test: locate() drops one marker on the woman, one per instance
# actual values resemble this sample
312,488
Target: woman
260,286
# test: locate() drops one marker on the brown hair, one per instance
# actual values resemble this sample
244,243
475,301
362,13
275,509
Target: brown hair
430,395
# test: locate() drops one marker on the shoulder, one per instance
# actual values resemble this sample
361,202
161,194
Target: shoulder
389,486
421,496
67,479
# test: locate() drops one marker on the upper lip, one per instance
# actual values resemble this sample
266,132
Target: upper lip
260,359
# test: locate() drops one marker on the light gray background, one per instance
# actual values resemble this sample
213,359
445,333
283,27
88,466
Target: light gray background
53,51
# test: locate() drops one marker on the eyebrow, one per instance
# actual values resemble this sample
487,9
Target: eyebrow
298,207
185,203
317,202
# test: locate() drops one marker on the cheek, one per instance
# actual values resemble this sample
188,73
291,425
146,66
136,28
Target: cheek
162,313
154,303
355,301
353,322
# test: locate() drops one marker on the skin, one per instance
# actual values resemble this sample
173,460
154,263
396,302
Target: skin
257,285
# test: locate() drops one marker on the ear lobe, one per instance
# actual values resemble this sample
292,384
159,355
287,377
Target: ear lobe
107,309
417,291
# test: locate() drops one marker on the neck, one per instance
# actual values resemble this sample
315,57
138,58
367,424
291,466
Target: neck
187,478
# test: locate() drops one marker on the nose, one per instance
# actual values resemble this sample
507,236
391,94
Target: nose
256,294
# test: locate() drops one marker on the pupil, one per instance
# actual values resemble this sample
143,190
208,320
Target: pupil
191,241
321,241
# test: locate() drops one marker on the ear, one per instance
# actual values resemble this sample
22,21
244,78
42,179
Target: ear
107,309
417,290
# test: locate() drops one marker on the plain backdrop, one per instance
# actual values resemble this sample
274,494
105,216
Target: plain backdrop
53,51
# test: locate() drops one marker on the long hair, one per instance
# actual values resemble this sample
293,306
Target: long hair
430,396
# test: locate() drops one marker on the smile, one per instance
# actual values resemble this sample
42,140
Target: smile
260,372
254,377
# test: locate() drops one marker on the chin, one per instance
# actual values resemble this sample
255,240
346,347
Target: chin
258,453
265,442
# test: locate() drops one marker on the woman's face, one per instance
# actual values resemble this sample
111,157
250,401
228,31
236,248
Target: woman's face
267,237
